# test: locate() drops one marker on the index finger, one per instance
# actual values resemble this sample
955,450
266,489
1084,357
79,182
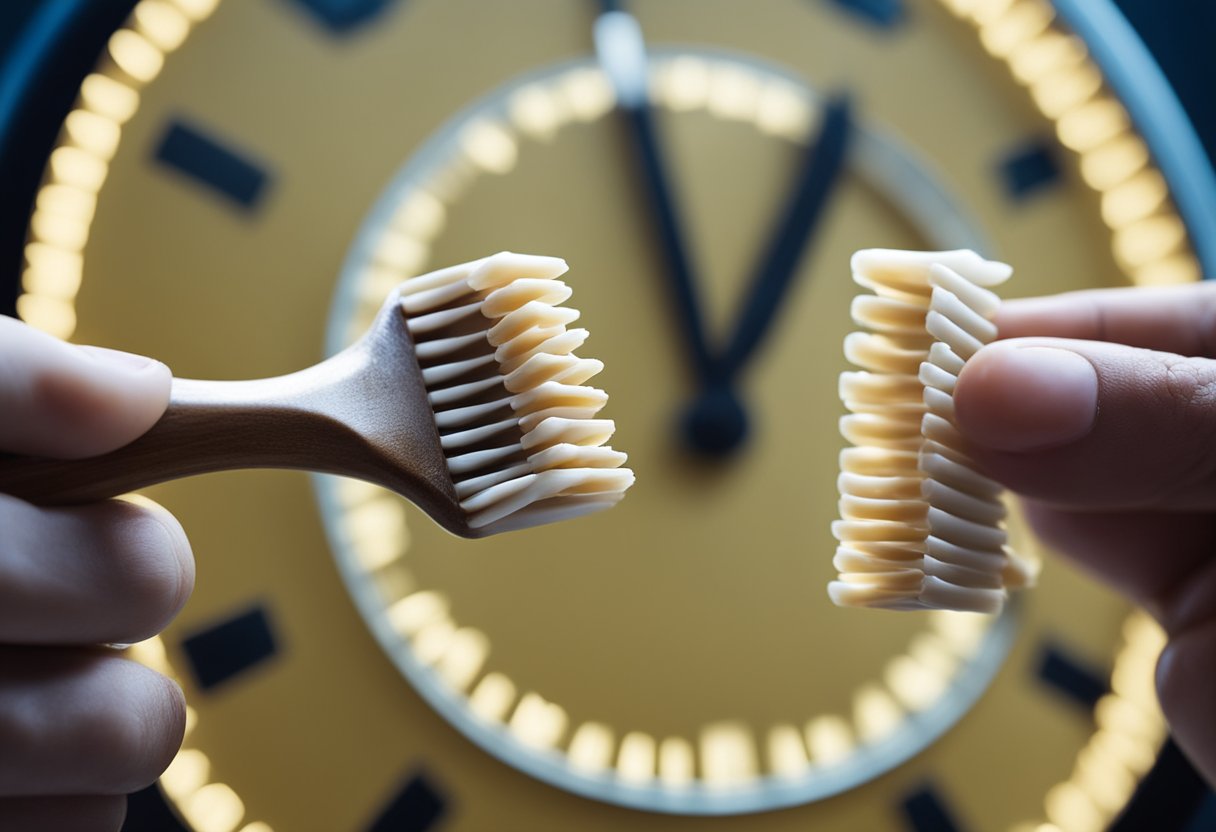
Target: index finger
66,401
1177,319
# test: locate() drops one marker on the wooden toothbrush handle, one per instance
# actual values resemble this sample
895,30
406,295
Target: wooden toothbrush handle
208,426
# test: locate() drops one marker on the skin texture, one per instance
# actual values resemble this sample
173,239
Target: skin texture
1099,409
80,725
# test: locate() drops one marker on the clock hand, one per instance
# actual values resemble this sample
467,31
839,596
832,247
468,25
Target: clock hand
622,55
716,421
821,169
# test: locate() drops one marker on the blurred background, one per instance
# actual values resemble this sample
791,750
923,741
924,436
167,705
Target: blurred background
1178,32
290,190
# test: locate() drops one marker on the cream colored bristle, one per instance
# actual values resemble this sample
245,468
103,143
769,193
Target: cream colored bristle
515,420
919,527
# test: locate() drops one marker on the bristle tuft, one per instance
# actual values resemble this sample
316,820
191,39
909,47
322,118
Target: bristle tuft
920,528
516,421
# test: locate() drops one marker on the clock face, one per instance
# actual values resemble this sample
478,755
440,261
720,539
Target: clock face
242,183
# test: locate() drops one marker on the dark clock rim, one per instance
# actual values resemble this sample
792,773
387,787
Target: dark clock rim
61,42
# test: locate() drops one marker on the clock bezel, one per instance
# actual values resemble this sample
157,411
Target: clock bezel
1175,124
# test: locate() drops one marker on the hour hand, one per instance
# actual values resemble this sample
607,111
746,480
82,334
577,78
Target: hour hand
716,420
793,233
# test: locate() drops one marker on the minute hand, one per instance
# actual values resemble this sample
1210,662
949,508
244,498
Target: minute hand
622,56
821,169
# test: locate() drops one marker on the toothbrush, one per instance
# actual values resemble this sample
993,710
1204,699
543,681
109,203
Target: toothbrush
920,528
465,396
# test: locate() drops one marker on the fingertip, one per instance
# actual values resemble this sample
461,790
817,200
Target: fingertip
139,725
105,399
69,401
182,553
157,576
1186,685
167,713
1018,397
175,719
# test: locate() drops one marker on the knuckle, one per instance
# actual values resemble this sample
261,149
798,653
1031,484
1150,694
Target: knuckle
1190,386
1190,393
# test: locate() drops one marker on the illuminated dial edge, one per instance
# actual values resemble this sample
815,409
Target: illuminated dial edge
447,163
50,288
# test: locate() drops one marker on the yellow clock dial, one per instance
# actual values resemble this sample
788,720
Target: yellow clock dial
685,735
267,178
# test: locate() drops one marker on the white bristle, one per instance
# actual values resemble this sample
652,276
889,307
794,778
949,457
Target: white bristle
946,330
940,355
433,298
573,456
499,501
933,376
983,301
508,266
561,343
467,463
467,488
583,411
920,528
458,392
554,511
949,305
556,394
503,301
543,367
443,373
523,344
529,315
425,324
431,350
585,432
458,416
516,422
438,278
472,436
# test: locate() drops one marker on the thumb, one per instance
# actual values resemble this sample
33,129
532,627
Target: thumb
1092,425
66,401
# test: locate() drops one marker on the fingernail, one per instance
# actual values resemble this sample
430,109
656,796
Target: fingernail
1027,398
125,361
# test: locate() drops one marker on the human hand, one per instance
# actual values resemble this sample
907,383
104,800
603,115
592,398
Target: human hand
81,726
1111,440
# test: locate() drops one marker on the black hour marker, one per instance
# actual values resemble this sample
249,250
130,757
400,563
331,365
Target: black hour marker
341,15
925,811
1029,169
1070,676
418,807
207,161
885,14
230,647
